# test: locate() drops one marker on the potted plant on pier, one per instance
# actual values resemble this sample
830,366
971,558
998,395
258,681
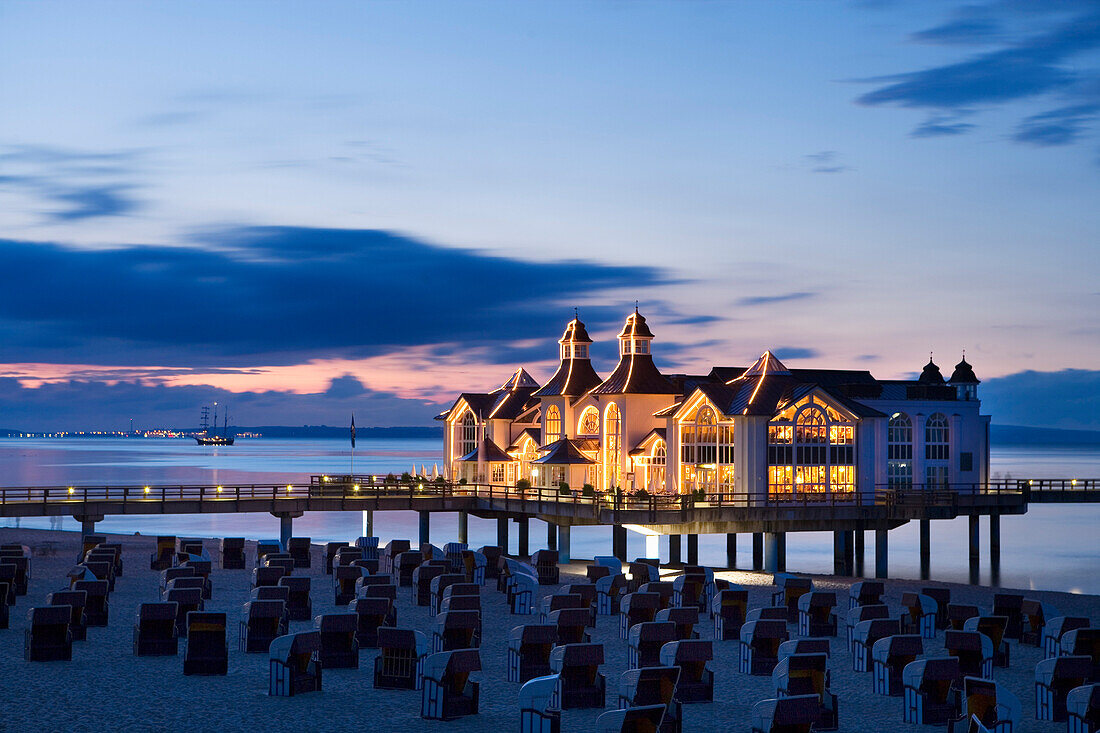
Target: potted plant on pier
563,489
523,486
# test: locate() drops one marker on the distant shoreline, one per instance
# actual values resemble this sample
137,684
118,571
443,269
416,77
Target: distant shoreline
246,432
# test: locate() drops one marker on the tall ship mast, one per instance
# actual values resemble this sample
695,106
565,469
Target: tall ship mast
212,438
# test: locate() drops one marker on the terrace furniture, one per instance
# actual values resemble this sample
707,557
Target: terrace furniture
649,686
729,608
371,614
47,637
1011,606
570,624
919,616
231,550
796,714
400,660
942,597
1083,709
448,692
97,608
931,689
529,651
186,600
858,615
974,651
807,674
582,685
1054,678
636,608
164,555
300,551
155,630
791,587
866,593
986,708
864,637
260,623
889,657
1056,628
816,616
696,682
338,649
609,590
540,705
299,606
993,627
456,630
1084,642
958,614
683,618
1036,613
295,664
75,600
331,548
207,652
759,647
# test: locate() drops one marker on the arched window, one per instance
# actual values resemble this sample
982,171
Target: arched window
553,424
811,449
655,472
810,439
937,438
589,424
468,437
899,450
706,452
612,447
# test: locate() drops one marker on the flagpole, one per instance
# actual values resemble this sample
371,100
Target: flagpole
352,460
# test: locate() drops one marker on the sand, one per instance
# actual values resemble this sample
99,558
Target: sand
105,687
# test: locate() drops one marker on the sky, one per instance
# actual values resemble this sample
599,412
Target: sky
306,209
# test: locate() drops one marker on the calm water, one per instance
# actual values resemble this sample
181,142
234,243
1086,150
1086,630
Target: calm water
1051,547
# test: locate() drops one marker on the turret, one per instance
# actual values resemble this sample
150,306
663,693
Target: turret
575,374
965,381
931,373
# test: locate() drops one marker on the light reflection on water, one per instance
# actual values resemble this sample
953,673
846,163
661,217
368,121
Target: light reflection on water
1054,547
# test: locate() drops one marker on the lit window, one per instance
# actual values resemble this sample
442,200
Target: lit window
553,424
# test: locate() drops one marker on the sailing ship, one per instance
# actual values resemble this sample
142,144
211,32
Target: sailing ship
212,438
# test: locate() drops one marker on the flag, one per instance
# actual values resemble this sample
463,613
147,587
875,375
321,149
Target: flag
353,430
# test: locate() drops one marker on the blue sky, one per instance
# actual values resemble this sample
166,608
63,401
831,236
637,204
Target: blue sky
416,194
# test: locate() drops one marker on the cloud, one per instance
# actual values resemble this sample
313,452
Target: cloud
1057,127
768,299
89,202
795,352
73,185
825,162
940,126
278,295
1064,399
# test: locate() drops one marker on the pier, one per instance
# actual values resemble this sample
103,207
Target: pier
766,519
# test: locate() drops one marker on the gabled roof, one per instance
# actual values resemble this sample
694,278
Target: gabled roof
493,454
534,434
564,452
647,442
506,402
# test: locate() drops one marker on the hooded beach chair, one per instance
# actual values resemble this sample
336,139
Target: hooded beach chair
1056,628
389,553
631,720
346,555
888,659
987,707
344,578
1054,678
994,628
640,574
603,566
696,678
959,613
637,608
371,614
339,649
662,588
231,551
76,600
422,580
5,605
767,613
1083,709
155,630
558,601
331,548
474,566
684,618
7,577
807,674
571,625
169,574
295,664
866,593
1011,606
587,592
299,606
207,652
796,714
375,590
805,646
96,607
609,589
452,553
280,560
19,556
456,630
816,614
47,637
369,546
164,555
448,692
974,651
260,623
931,688
88,542
522,592
540,705
438,585
864,637
729,609
266,575
186,600
919,616
578,665
299,549
689,590
265,548
1035,613
404,565
654,685
103,570
858,615
759,645
400,660
645,640
1084,642
492,555
942,597
202,570
187,546
529,651
791,587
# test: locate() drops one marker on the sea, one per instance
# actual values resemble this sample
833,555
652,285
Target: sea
1052,547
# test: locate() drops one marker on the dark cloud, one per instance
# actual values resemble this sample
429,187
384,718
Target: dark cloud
963,30
781,298
825,162
1065,399
795,352
89,202
1057,127
73,185
283,294
940,126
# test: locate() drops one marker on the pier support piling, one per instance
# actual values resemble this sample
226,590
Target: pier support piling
674,550
693,549
425,527
860,552
975,550
551,536
368,523
775,552
464,527
502,534
731,551
286,529
995,549
523,531
618,541
87,524
563,543
843,553
757,551
882,553
925,549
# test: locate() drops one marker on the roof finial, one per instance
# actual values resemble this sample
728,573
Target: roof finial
576,315
635,306
929,357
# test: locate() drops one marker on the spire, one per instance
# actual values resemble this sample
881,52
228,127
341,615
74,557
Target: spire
635,372
767,364
964,373
575,375
931,373
519,379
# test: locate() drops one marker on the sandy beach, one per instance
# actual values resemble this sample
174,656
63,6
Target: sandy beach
105,687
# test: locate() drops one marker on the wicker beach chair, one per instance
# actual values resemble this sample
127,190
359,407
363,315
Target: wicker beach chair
540,705
637,608
76,600
986,708
97,607
994,628
207,652
654,685
791,587
331,548
231,551
300,549
456,630
571,625
1054,678
729,609
796,714
864,637
645,641
1056,628
371,614
186,600
931,688
1083,709
339,649
155,630
920,615
295,664
438,585
400,660
529,651
260,623
888,659
684,618
582,685
696,682
609,590
866,593
759,645
631,720
448,692
807,674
